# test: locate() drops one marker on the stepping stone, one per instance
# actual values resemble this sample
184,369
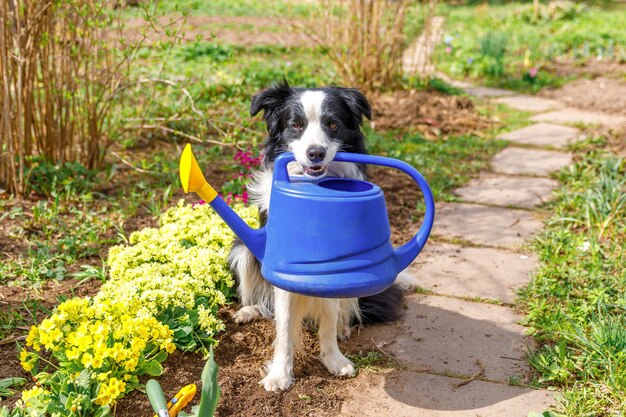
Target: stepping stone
488,92
401,393
472,272
569,115
530,103
484,225
507,191
543,134
449,336
530,161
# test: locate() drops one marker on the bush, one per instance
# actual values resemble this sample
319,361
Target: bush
178,271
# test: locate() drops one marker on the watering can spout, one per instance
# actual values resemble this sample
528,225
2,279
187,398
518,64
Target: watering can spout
192,179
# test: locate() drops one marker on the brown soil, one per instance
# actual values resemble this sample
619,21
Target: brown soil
599,94
590,68
250,31
431,113
241,355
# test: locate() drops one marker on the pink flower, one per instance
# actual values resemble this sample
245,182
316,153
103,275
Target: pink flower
533,72
448,49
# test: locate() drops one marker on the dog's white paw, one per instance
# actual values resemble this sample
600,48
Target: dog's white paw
407,281
338,365
275,381
246,314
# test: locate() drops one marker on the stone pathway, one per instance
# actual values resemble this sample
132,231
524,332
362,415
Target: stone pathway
460,350
417,58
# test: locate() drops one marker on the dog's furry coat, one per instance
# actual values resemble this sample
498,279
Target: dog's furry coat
314,124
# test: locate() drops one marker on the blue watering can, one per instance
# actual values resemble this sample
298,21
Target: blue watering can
325,238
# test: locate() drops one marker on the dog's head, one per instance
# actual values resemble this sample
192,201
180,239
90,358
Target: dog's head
314,124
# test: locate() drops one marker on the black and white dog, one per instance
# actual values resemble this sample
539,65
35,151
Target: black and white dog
314,124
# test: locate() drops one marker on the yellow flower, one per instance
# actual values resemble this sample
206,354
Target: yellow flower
170,347
72,354
34,392
87,360
110,391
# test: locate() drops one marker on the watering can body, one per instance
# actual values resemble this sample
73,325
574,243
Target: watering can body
329,237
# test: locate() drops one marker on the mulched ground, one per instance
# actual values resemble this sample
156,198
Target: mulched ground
431,113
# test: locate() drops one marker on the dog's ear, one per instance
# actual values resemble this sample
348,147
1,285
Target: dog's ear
270,98
357,103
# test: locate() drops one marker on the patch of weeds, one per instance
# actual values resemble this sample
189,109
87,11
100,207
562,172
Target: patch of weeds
18,319
500,45
9,386
575,303
421,290
515,379
433,84
446,163
372,361
212,51
89,272
67,179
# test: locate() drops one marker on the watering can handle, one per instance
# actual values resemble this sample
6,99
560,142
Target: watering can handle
405,254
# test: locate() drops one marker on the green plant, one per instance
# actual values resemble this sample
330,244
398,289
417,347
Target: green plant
164,291
8,385
493,48
371,361
575,303
210,391
66,178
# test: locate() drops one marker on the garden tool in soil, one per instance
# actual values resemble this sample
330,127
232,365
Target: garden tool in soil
180,400
326,237
208,401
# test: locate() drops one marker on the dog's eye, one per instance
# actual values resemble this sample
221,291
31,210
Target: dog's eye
297,126
332,125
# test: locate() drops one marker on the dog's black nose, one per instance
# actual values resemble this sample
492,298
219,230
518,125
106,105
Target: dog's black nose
316,153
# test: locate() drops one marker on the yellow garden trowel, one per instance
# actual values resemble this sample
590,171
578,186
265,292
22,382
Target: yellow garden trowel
175,405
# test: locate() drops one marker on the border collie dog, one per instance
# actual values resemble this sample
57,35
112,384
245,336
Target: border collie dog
314,124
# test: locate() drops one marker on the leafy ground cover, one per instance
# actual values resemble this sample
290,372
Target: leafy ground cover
507,45
575,303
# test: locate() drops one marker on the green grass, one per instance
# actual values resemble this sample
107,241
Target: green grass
499,44
446,163
17,319
372,361
576,304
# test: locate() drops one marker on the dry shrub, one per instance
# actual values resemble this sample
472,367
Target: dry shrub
62,76
364,38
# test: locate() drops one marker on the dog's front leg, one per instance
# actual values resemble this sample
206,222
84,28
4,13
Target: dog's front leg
280,370
332,358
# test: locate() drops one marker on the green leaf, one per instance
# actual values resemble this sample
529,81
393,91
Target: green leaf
83,378
152,368
160,357
210,388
